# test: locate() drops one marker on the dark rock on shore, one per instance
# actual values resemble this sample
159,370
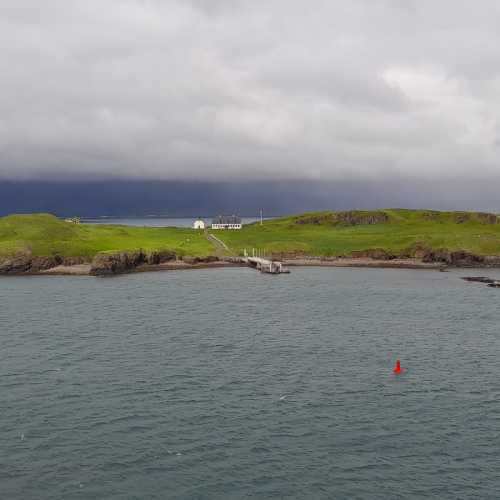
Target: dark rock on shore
74,261
43,263
463,259
106,264
459,258
372,253
16,265
102,264
200,260
492,261
436,256
116,263
26,263
161,256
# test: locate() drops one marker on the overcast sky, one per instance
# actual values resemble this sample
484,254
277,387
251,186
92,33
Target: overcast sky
204,89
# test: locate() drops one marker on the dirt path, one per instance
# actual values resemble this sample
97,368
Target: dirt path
221,249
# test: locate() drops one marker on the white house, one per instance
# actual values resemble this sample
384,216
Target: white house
198,224
226,222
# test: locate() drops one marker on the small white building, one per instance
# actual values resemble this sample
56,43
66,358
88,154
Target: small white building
226,222
199,224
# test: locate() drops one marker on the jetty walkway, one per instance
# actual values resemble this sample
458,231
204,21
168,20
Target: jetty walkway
266,265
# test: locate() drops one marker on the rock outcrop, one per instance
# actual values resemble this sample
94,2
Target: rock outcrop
200,260
349,218
16,265
106,264
372,253
355,218
482,217
460,217
459,258
492,261
116,263
43,263
26,263
160,257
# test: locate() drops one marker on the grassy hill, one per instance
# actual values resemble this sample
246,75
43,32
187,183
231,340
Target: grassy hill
339,233
45,235
318,233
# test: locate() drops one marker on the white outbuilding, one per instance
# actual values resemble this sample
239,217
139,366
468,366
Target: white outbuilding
199,224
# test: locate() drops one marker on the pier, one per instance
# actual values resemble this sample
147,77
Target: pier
266,266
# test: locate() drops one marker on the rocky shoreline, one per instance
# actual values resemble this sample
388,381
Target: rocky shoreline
107,264
86,269
418,255
111,264
365,262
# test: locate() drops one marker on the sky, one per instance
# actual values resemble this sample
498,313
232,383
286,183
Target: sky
289,92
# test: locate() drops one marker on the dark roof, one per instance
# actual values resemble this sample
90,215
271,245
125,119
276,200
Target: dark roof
226,219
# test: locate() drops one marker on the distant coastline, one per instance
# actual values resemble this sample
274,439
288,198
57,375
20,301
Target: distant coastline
86,269
42,244
156,220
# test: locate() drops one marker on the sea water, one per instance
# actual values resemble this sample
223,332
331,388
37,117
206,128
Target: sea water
228,384
157,221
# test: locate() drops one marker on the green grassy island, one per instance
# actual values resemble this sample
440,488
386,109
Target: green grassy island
44,235
426,235
332,234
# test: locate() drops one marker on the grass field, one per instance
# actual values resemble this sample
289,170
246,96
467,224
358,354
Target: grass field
320,233
327,236
46,235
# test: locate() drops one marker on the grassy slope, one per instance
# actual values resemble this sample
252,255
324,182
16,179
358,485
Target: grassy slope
404,228
46,235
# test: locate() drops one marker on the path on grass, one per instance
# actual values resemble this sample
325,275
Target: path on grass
221,249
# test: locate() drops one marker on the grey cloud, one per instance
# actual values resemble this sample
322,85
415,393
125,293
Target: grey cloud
236,89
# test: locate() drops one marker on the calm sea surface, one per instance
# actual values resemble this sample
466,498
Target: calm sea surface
228,384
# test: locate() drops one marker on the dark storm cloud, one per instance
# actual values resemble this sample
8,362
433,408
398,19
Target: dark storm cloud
235,89
195,198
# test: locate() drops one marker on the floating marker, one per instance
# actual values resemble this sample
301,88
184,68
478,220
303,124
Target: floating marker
397,369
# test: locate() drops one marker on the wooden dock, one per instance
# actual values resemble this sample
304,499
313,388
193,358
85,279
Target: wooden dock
266,265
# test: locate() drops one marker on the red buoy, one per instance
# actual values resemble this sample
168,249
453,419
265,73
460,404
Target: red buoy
397,369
